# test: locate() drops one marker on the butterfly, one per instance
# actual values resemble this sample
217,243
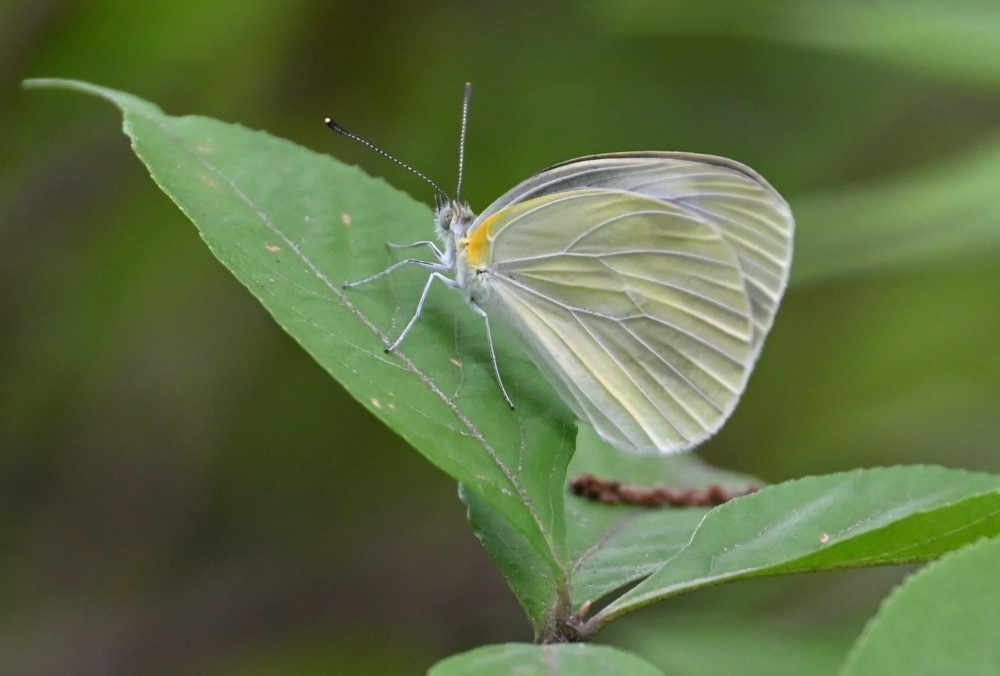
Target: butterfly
641,284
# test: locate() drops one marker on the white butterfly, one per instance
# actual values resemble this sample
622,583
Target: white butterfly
641,284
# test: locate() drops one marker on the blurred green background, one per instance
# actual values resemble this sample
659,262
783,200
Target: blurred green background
183,490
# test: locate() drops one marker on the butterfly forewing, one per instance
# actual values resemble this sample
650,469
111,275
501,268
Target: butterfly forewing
634,308
746,211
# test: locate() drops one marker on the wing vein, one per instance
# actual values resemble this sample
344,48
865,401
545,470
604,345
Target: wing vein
715,348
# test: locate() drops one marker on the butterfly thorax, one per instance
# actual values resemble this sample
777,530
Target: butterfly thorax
453,221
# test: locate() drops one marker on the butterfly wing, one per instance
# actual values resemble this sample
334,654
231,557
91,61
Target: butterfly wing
634,308
750,215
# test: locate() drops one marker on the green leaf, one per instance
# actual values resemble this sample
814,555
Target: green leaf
612,546
545,660
524,569
860,518
292,225
942,620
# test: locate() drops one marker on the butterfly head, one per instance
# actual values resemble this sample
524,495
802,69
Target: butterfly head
452,219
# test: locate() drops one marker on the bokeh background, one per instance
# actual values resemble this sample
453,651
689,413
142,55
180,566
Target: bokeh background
183,491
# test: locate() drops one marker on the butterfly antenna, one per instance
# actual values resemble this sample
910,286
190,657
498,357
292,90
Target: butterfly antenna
461,141
354,137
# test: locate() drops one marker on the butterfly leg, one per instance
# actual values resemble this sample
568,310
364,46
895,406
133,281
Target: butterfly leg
493,357
424,242
420,304
437,267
